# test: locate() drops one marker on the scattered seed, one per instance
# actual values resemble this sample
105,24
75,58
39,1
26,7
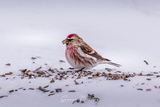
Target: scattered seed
52,81
42,89
3,96
78,100
8,64
82,101
76,83
148,89
58,90
158,76
31,89
61,61
118,71
122,85
46,86
71,91
148,79
90,77
51,94
10,73
142,83
11,91
108,69
3,76
140,89
96,100
33,58
146,62
40,72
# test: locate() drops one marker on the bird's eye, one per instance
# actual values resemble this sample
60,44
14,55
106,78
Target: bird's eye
70,40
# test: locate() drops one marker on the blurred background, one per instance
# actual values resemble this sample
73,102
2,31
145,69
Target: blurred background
125,31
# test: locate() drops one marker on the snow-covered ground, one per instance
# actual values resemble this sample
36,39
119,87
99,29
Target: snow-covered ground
127,32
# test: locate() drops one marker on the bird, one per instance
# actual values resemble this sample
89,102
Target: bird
81,56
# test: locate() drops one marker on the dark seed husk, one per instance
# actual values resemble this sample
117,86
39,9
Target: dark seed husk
31,89
11,91
10,73
51,94
90,77
140,89
52,81
46,86
71,91
58,90
122,85
8,64
148,89
3,96
82,101
148,79
42,89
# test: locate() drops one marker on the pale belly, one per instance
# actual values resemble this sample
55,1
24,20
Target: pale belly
77,65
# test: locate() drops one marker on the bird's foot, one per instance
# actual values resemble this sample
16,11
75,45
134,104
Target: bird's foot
80,69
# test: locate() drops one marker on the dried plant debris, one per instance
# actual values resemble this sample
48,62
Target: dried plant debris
42,89
92,97
58,90
146,62
52,81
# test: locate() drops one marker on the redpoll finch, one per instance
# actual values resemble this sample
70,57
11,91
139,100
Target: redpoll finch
81,56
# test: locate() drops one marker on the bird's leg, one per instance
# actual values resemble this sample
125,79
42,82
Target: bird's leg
80,69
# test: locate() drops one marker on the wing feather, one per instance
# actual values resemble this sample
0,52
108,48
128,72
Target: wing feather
89,51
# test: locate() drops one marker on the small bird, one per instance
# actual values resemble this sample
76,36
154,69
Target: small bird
81,56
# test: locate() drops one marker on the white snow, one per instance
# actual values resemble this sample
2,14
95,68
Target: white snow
127,32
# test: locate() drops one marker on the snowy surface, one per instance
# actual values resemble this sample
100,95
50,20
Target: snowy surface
127,32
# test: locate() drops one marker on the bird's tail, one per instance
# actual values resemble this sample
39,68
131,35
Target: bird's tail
111,63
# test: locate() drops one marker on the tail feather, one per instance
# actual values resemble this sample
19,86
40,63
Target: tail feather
114,64
111,63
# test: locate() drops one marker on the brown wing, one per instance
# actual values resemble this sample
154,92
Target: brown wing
88,50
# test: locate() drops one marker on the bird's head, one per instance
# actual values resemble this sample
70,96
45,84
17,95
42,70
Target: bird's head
73,39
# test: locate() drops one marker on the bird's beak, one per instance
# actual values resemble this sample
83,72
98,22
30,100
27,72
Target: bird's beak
65,41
